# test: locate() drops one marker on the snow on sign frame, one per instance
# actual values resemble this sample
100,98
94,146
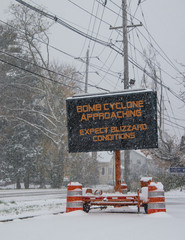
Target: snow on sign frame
117,121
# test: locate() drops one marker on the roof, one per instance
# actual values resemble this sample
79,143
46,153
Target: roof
104,156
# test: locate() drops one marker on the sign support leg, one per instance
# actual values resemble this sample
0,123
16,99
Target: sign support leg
117,172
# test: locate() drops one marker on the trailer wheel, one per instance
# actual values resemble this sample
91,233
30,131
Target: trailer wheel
86,207
145,208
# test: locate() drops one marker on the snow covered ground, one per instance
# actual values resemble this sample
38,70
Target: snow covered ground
97,224
22,203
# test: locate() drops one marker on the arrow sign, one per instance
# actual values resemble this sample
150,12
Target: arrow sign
177,169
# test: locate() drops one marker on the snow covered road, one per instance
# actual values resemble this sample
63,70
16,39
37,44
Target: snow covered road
31,202
175,204
104,224
37,194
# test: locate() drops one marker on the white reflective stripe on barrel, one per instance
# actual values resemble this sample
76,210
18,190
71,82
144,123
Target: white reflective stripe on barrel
156,194
74,193
156,206
74,205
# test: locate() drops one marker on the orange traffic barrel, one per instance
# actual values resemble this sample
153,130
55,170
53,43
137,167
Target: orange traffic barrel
145,181
74,197
123,188
156,199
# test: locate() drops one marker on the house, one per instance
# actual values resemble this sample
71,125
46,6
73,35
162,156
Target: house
182,149
140,165
106,168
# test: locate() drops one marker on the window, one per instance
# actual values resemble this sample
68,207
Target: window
103,171
138,161
110,171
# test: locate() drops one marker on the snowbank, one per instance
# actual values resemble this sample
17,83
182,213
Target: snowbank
95,225
109,224
158,185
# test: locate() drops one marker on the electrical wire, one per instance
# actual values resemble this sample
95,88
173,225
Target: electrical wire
39,40
98,30
131,59
114,74
65,20
40,75
54,18
91,13
48,78
94,39
110,53
167,58
155,80
127,12
111,10
165,88
144,70
176,124
144,56
171,106
63,23
109,67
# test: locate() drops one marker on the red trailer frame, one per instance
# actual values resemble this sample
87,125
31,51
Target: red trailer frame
115,200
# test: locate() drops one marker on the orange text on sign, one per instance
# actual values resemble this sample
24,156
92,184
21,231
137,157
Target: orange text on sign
109,106
111,115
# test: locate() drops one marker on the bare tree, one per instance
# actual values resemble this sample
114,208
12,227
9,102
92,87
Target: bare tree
49,84
155,83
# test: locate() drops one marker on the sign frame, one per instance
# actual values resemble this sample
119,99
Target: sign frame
110,122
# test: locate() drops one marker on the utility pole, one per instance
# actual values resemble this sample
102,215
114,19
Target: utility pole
87,70
125,44
126,86
94,154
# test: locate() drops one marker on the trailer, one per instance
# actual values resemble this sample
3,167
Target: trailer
150,197
104,200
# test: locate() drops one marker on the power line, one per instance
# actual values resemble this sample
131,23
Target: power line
168,59
50,79
171,106
111,10
61,51
109,56
142,54
158,52
39,75
63,23
88,25
109,68
117,54
98,28
165,57
88,12
39,40
176,124
172,126
162,70
92,38
101,21
127,11
54,18
155,80
178,119
65,20
34,73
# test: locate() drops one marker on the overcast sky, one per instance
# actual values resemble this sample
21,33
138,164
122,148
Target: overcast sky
164,19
